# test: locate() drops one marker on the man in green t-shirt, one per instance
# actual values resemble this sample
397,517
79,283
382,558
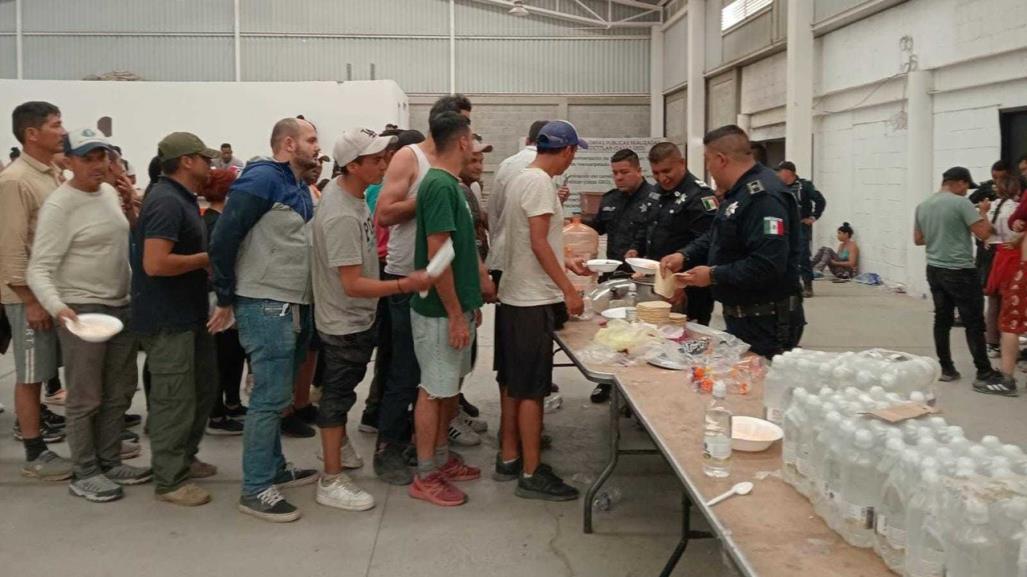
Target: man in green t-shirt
944,224
444,320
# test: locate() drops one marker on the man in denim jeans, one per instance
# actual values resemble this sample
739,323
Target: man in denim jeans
261,259
944,223
397,207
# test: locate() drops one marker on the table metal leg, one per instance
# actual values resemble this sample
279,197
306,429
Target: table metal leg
590,494
687,534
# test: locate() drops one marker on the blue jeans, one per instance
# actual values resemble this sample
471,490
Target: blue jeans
275,336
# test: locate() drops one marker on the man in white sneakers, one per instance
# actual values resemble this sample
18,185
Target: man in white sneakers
347,289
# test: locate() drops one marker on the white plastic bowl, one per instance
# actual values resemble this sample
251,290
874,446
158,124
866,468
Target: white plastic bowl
95,327
602,265
752,435
643,265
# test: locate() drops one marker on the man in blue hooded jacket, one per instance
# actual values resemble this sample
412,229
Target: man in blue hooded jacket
260,253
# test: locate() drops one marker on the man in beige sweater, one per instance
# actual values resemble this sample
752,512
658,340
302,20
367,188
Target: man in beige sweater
24,186
80,265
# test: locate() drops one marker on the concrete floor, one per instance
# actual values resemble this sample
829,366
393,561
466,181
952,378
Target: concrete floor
44,531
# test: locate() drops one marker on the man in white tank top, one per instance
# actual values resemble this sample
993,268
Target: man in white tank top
396,209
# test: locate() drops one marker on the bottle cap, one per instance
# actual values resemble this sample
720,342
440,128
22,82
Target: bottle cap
976,512
864,439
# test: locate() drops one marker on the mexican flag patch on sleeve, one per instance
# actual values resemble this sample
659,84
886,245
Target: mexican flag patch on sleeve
709,203
773,226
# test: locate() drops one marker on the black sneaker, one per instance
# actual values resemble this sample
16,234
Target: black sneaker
544,485
987,377
133,420
48,433
236,412
600,394
51,418
1001,385
129,436
410,455
507,471
293,426
224,426
307,414
949,375
468,407
269,505
292,476
391,466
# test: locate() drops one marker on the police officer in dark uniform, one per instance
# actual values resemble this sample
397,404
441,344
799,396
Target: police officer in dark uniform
750,255
679,213
619,215
811,207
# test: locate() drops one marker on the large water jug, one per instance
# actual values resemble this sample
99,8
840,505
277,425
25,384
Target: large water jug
580,241
891,523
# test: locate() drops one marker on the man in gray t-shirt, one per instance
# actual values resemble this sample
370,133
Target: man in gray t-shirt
944,224
346,293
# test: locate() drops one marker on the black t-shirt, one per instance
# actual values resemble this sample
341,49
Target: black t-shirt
171,212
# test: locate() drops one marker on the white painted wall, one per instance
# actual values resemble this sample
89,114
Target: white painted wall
240,113
976,52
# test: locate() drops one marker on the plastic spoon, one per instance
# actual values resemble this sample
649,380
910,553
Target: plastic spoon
743,488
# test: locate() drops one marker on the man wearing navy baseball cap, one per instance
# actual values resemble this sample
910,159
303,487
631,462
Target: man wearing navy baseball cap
533,293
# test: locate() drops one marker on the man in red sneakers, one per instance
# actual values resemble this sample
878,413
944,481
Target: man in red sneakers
444,321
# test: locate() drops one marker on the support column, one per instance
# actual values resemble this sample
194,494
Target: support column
799,95
237,42
656,108
920,178
452,46
19,54
696,99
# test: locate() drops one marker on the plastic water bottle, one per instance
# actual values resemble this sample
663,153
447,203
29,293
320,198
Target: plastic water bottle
717,435
794,421
606,500
814,414
1007,517
895,494
776,390
818,457
974,551
925,551
859,493
890,461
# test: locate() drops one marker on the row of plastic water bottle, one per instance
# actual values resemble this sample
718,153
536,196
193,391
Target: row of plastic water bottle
898,373
928,500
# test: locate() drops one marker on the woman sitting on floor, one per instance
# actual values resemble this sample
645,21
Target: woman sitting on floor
844,263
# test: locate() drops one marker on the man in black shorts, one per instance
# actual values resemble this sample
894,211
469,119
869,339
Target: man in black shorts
534,285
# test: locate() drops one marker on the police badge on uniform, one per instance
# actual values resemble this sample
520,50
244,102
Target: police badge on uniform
731,208
755,187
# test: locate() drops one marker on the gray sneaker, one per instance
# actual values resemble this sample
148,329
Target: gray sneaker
48,466
269,505
129,475
96,489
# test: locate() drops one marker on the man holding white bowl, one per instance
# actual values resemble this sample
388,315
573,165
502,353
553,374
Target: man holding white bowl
79,265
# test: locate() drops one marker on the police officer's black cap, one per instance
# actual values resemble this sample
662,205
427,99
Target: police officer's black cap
958,173
786,165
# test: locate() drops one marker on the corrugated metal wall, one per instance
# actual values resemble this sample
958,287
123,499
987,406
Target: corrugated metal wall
405,40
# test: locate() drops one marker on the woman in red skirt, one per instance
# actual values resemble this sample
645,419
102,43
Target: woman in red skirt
1009,277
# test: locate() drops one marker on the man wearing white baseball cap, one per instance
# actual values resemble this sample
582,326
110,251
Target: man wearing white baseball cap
79,265
346,290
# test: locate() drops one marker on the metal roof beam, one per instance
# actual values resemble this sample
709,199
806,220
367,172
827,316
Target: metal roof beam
597,22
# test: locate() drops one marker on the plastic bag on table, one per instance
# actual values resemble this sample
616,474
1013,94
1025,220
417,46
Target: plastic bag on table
620,335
